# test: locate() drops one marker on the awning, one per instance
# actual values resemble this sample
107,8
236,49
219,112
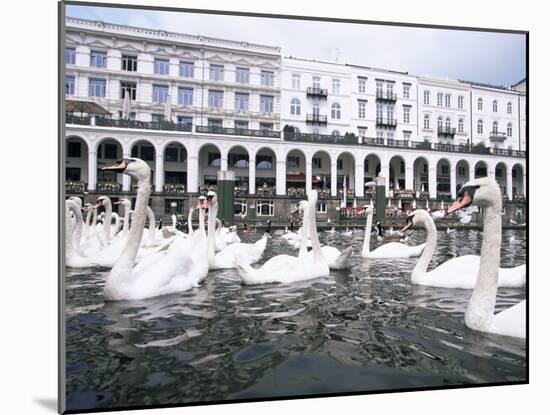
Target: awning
90,108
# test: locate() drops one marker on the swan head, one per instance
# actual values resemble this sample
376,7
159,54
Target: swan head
416,218
131,166
481,192
77,200
211,199
102,201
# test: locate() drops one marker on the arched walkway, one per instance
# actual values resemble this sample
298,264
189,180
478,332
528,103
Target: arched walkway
76,165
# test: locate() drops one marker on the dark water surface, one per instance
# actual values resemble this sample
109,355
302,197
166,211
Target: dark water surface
364,329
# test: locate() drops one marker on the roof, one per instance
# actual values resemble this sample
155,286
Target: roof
87,107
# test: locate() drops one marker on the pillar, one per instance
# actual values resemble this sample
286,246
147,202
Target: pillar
509,184
126,180
159,173
472,172
524,182
252,176
385,171
281,178
92,170
192,173
409,178
224,163
226,196
359,180
309,173
432,182
453,182
333,178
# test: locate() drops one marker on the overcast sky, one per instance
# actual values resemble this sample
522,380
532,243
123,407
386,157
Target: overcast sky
496,58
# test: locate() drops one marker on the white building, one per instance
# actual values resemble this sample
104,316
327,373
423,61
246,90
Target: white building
197,105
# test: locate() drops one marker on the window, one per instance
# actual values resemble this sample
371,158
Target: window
110,151
509,130
406,114
379,111
439,99
185,96
216,72
97,88
389,88
495,127
239,161
74,149
266,126
480,126
460,125
295,81
295,108
426,97
426,122
335,111
215,122
214,160
242,75
321,207
264,162
440,123
406,135
171,154
293,161
362,131
241,101
480,104
390,135
240,207
155,119
316,162
335,86
444,169
316,82
389,112
266,103
362,85
495,106
406,91
128,88
448,100
187,69
160,93
185,120
340,164
498,172
72,174
460,102
129,63
162,66
380,135
69,85
362,109
461,171
509,108
215,99
70,56
98,59
267,78
131,115
178,206
447,124
379,86
265,207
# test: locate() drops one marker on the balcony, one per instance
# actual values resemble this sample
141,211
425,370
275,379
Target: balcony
386,96
316,119
316,92
446,132
386,122
497,137
174,189
124,123
75,187
211,129
319,138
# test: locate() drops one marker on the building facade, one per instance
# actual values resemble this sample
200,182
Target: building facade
191,106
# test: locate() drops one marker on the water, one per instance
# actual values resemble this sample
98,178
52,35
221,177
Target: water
364,329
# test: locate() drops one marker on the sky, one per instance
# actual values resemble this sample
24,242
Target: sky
495,58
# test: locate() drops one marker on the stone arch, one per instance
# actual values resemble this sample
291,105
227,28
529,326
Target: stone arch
175,155
481,169
462,172
443,177
397,165
421,167
321,163
76,163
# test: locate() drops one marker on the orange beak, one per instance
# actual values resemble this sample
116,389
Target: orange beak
119,166
460,203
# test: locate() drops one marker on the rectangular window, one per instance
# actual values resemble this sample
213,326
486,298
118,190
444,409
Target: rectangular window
426,97
444,169
295,81
98,59
406,91
160,93
214,122
69,85
406,115
185,120
316,82
362,109
321,207
162,66
362,131
293,161
266,103
460,102
147,153
97,88
448,100
72,174
129,63
238,161
241,101
187,69
241,125
379,111
73,149
215,99
110,151
461,171
216,72
185,96
156,119
335,86
362,88
264,162
242,75
128,88
171,154
267,78
70,56
264,126
439,100
265,207
316,163
406,135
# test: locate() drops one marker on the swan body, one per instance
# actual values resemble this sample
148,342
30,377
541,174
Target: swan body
336,259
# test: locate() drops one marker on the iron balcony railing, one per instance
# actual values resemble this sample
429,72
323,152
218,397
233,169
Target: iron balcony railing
161,125
446,131
497,137
386,96
386,122
319,138
316,92
316,119
210,129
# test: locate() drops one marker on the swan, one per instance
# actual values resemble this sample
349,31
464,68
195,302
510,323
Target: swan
392,237
178,268
105,201
438,214
73,258
485,192
459,272
348,232
332,230
226,258
287,269
389,250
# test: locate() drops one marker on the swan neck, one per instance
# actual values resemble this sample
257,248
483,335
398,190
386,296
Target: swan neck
190,221
151,219
88,217
366,240
303,233
316,246
107,220
126,224
429,249
212,213
73,233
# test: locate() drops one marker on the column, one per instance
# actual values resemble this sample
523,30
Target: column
159,173
309,173
524,183
385,170
252,176
224,163
472,171
409,178
92,170
432,182
126,180
281,178
359,180
333,178
192,173
453,183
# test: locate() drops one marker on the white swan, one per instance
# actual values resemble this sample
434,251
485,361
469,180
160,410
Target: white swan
460,272
389,250
227,257
287,269
178,268
348,232
484,192
105,201
331,230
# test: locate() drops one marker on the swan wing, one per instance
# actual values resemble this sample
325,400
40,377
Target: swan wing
511,322
396,250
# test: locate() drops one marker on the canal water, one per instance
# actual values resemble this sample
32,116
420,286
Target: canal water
364,329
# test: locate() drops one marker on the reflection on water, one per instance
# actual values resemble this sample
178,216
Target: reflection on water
359,330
